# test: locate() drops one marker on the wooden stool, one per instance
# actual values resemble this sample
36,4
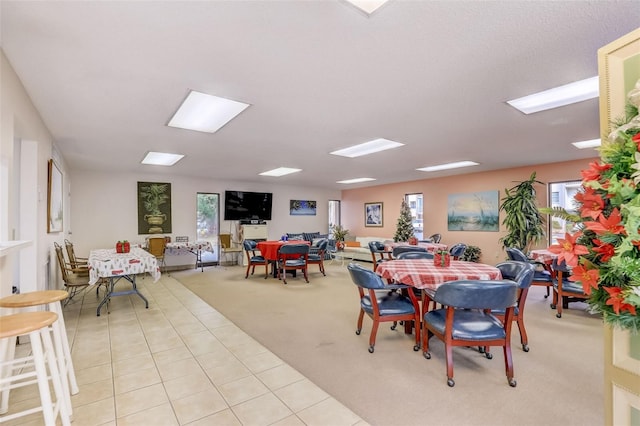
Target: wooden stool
52,300
36,325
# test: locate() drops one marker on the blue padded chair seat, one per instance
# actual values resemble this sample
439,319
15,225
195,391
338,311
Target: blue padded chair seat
294,262
570,287
257,259
389,304
468,324
542,276
314,257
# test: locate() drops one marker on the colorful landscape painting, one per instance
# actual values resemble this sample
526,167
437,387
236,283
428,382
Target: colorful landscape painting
302,208
476,211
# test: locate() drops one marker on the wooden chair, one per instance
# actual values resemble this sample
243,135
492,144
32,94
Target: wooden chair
383,306
317,253
227,247
75,280
457,250
565,291
398,250
254,259
378,253
293,257
76,262
521,273
466,320
435,238
157,246
542,276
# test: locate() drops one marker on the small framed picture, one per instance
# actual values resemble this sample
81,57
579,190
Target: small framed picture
373,214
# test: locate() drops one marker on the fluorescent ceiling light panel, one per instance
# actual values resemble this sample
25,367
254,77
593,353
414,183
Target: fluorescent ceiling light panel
368,6
356,180
161,158
571,93
367,148
593,143
205,113
455,165
280,171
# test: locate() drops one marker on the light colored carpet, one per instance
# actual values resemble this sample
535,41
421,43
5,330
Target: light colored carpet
312,327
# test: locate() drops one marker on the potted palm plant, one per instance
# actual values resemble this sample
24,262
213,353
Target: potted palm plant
524,222
339,233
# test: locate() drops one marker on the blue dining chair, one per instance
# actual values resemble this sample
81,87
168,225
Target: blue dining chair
466,319
383,306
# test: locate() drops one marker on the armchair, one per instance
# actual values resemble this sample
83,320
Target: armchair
378,252
157,246
435,238
522,274
407,249
383,306
75,280
465,319
80,263
457,250
317,253
565,291
227,247
542,275
293,257
254,259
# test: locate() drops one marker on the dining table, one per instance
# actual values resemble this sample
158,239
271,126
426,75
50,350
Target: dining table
269,250
424,274
107,263
543,255
431,247
196,248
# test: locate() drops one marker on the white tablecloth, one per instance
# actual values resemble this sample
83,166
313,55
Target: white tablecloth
105,263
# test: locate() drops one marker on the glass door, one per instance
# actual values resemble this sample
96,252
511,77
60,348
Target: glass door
208,223
415,204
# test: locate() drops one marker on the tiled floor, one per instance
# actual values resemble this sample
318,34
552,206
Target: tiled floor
180,362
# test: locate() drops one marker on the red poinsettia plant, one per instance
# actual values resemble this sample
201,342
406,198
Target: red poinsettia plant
604,253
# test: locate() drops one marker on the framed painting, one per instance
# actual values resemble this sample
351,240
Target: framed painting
302,208
154,208
373,214
475,211
54,198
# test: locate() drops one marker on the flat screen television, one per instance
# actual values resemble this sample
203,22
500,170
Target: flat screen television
243,205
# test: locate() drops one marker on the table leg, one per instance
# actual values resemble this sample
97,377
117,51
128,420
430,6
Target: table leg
110,292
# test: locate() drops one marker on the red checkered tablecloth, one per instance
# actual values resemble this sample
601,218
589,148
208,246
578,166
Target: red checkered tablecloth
431,247
543,255
422,273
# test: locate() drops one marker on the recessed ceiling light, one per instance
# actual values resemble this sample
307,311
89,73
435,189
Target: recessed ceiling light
280,171
593,143
356,180
367,148
368,6
205,113
161,158
577,91
448,166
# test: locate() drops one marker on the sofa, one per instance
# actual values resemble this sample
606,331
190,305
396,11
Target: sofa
358,247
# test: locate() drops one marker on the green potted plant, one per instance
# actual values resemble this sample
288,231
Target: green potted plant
472,254
339,234
524,222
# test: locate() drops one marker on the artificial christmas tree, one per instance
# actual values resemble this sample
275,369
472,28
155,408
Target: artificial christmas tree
404,228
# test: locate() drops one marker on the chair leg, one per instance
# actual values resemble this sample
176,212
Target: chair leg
449,353
508,365
524,340
360,318
266,270
306,277
247,274
372,336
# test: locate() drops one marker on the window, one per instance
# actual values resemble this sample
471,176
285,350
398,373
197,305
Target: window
415,204
334,214
208,218
561,195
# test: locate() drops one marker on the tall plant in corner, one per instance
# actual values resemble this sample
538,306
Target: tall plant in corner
525,225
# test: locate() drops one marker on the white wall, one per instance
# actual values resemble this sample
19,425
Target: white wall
20,121
104,207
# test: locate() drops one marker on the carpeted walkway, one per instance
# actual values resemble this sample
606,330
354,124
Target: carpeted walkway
312,327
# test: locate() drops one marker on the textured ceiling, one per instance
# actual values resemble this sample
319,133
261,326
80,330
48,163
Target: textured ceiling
319,75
